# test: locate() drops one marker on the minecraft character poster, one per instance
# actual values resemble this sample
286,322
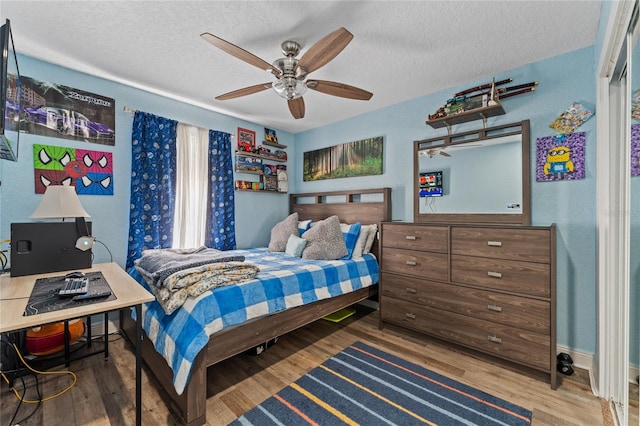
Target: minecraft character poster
560,157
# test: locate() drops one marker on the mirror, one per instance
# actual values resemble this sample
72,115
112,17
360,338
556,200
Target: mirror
480,176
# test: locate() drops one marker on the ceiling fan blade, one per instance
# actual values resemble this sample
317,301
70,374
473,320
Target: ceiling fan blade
244,91
296,106
240,53
339,89
445,153
325,50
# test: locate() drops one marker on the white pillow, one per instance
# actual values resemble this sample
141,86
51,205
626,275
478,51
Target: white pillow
373,230
295,245
358,250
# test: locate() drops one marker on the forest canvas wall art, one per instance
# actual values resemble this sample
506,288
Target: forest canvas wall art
359,158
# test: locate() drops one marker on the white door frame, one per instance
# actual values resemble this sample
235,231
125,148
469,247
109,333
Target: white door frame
611,371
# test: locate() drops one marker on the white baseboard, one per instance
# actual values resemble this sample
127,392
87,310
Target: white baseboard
584,361
581,360
634,372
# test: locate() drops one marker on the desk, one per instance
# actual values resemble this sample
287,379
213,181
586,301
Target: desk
15,292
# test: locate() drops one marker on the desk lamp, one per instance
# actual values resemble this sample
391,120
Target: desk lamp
61,201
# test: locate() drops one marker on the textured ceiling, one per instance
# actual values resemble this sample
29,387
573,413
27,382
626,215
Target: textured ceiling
401,50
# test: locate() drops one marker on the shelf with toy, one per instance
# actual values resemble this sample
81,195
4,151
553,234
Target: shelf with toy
477,103
282,158
248,164
247,185
481,113
274,144
260,191
464,107
272,178
249,172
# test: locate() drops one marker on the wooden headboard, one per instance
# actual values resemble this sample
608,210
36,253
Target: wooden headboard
365,206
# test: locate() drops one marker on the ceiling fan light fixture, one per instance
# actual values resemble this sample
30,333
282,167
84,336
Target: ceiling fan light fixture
291,73
289,87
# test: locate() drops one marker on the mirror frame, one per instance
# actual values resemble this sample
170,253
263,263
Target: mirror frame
487,133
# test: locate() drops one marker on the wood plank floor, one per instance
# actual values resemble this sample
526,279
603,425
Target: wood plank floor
105,391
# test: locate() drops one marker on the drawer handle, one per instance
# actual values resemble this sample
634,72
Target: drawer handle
494,243
411,290
494,308
410,315
494,274
410,237
411,263
494,339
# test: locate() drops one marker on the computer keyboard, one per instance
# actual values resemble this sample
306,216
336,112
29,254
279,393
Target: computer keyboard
74,286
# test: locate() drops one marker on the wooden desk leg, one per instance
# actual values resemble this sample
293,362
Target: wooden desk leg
66,336
89,336
138,365
106,336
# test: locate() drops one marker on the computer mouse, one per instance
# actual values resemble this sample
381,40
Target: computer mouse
75,274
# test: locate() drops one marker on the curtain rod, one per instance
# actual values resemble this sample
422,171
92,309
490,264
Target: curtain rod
128,109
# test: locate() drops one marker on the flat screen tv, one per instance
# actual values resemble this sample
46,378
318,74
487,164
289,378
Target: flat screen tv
10,96
431,184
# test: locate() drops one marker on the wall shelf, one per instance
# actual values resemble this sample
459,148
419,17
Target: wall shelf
466,116
250,172
274,144
264,157
259,190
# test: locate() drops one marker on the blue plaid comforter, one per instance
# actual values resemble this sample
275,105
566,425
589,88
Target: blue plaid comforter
283,282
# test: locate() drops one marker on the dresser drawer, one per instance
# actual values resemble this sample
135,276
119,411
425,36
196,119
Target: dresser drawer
531,245
513,344
428,238
506,275
417,263
516,311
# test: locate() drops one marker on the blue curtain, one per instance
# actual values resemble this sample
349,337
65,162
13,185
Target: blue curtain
221,226
153,184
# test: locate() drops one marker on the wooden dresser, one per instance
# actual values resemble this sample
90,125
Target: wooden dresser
487,287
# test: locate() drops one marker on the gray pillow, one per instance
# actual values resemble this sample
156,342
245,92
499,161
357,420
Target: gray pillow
324,240
280,233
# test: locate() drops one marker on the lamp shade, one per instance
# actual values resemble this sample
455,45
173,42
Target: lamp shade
59,202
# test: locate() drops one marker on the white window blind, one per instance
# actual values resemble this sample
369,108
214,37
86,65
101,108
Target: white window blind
192,184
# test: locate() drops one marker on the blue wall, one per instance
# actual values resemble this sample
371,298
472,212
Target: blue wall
110,214
570,204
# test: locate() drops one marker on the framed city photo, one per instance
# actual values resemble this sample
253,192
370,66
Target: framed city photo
246,140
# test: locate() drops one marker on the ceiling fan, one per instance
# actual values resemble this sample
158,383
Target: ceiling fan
442,150
291,73
433,152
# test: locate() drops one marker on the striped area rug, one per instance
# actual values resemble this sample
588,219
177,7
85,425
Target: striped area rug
366,386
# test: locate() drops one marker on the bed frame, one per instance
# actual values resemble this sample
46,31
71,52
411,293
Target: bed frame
367,206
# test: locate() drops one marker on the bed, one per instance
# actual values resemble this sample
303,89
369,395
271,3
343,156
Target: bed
370,206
